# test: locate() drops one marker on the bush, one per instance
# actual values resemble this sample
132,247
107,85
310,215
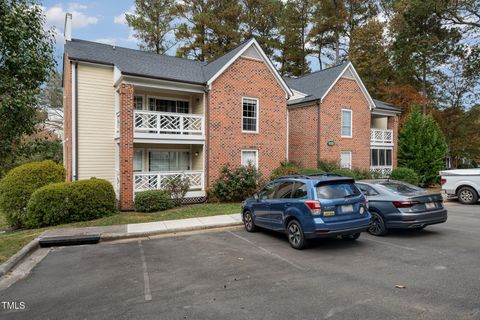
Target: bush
177,187
153,200
19,184
311,171
236,184
286,168
328,165
361,174
345,173
67,202
404,174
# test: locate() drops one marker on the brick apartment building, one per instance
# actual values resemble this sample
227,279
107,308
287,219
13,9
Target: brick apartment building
136,118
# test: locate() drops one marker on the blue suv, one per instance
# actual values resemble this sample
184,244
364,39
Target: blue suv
309,206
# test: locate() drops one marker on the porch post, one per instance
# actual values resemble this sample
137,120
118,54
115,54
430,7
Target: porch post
393,125
126,147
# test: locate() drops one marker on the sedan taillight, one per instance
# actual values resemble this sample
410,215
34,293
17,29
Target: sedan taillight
404,204
314,206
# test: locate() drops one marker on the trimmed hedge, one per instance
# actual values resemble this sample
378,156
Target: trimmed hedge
67,202
405,175
153,200
19,184
236,184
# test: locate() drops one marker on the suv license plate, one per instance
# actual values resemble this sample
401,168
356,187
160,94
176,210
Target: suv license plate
430,205
347,208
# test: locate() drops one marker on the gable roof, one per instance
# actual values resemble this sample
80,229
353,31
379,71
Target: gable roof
136,62
147,64
318,84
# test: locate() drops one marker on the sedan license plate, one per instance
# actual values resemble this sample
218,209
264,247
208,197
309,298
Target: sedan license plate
347,208
430,205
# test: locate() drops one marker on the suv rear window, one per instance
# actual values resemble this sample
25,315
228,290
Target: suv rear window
337,190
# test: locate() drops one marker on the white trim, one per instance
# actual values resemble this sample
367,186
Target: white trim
249,150
257,115
349,153
254,42
74,122
143,101
351,124
386,113
143,158
358,80
148,83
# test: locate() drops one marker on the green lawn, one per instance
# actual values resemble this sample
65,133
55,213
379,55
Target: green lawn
11,242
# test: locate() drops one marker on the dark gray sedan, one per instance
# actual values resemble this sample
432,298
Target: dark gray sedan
396,204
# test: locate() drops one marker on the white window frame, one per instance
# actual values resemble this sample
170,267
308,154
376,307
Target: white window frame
143,101
378,156
349,153
351,124
257,113
143,159
249,150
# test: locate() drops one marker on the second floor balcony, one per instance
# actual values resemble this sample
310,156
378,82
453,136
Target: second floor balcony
381,137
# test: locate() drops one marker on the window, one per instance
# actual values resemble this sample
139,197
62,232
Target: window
268,191
337,190
138,102
138,160
367,190
299,191
284,190
250,114
166,105
401,187
346,159
159,160
346,123
380,157
250,158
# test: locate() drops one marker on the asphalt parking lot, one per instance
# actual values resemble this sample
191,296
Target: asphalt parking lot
232,274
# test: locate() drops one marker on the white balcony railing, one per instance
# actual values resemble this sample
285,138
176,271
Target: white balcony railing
158,180
168,125
381,136
381,171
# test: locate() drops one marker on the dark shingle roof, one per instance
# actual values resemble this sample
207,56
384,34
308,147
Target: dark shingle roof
136,62
385,106
315,84
214,66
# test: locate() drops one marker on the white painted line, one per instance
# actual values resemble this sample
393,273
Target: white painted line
390,244
269,252
146,278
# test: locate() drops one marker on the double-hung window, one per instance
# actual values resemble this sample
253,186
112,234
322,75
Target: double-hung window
346,159
138,102
346,123
250,158
250,115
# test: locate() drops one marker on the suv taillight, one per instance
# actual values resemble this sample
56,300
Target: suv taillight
404,204
315,207
444,180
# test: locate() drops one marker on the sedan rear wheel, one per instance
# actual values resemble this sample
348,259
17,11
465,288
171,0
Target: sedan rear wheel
467,195
377,227
295,235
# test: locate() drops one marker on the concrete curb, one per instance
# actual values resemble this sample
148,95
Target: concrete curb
19,256
105,237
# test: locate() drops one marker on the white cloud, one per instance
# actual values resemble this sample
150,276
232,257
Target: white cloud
120,19
55,16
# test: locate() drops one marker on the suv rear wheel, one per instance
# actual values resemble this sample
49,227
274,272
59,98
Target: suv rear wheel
248,222
467,195
295,235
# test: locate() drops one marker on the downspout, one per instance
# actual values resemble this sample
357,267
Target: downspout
74,122
288,131
206,150
318,131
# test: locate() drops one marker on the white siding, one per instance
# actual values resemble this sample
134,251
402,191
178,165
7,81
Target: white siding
96,123
252,53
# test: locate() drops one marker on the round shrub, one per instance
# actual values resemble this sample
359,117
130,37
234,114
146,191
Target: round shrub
405,174
285,169
153,200
67,202
236,184
19,184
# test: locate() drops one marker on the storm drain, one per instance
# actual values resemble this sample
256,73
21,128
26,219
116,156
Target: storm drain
69,240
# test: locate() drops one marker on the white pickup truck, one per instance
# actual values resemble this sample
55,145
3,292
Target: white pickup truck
462,183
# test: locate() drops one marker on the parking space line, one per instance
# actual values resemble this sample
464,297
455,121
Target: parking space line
293,264
146,278
390,244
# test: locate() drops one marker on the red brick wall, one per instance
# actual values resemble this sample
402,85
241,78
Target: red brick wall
126,147
346,94
302,135
67,117
245,78
393,124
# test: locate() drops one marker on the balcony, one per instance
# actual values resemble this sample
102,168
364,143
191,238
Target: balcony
381,137
157,180
381,171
